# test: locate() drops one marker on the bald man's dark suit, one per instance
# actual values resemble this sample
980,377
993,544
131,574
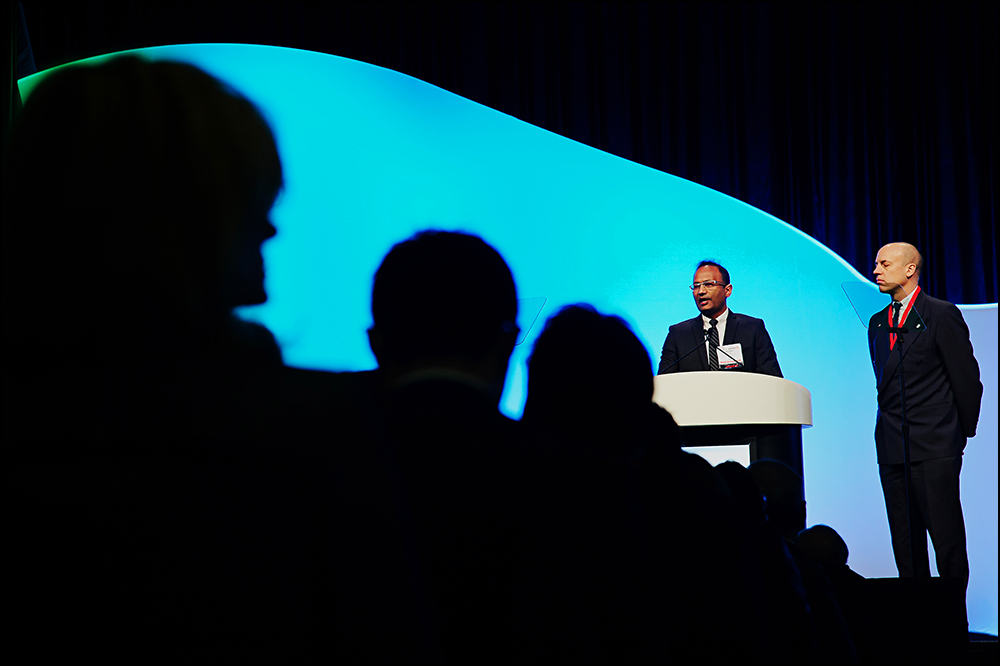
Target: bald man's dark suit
758,351
943,399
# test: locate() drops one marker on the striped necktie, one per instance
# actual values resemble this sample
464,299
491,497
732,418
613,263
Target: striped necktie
713,345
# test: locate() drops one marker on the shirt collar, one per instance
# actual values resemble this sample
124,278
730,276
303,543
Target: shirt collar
906,300
707,321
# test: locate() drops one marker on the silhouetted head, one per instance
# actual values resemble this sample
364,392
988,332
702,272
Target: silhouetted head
142,185
141,198
821,542
444,300
747,498
588,375
784,495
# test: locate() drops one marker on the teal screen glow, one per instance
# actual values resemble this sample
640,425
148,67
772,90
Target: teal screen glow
372,156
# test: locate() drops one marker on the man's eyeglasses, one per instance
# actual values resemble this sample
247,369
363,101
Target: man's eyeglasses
707,284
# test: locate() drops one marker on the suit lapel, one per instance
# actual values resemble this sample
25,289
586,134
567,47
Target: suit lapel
882,338
914,320
732,325
887,360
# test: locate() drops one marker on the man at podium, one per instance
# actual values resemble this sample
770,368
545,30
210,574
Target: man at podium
717,339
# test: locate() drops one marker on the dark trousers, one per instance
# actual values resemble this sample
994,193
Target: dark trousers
937,510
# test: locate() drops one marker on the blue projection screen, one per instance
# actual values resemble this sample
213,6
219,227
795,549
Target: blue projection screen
372,155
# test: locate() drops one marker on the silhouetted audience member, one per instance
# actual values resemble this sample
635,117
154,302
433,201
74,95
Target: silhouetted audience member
783,493
632,557
828,551
782,624
785,506
444,308
590,379
142,195
152,513
587,592
823,544
784,496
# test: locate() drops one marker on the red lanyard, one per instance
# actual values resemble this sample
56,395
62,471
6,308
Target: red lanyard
902,318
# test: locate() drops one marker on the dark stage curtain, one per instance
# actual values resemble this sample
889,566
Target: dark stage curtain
858,123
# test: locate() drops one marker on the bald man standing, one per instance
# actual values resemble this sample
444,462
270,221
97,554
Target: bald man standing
943,396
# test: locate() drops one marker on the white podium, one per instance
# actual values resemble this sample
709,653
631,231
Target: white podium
721,408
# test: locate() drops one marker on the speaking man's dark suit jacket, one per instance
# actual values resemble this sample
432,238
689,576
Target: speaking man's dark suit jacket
943,398
758,351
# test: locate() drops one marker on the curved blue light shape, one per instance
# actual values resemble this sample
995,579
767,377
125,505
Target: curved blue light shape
372,156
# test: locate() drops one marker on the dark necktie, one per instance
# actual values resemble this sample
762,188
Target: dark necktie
713,345
896,305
